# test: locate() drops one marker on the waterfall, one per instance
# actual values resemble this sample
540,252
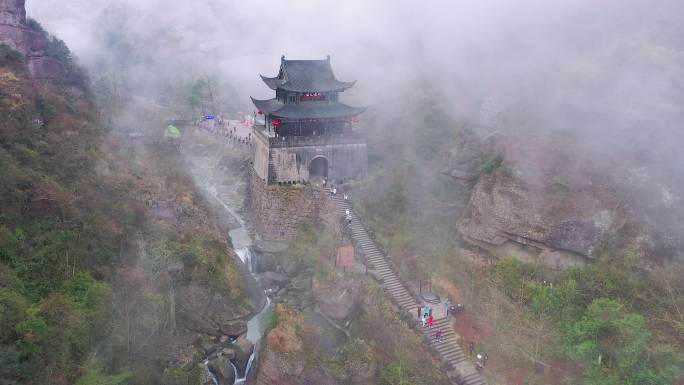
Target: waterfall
250,361
242,244
213,376
246,257
236,374
214,192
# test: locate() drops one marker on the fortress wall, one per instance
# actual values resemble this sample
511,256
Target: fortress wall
279,211
261,157
345,161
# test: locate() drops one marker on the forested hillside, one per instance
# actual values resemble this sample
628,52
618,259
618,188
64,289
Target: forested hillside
89,256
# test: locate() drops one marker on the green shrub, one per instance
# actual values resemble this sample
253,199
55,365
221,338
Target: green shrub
274,320
398,372
9,56
10,365
93,300
58,50
45,109
609,337
34,25
615,345
55,48
495,165
93,374
13,306
33,332
491,165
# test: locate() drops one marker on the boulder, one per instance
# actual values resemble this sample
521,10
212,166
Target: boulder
209,348
337,299
277,368
301,284
234,328
266,262
243,349
272,278
464,160
203,310
291,267
317,376
223,370
228,353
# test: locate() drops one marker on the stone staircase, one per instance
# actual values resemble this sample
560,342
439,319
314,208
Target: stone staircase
461,371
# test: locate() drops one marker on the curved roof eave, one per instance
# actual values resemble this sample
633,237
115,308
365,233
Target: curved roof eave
299,111
267,106
272,83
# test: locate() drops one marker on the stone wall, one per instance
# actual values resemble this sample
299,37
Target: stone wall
279,211
345,161
288,160
261,156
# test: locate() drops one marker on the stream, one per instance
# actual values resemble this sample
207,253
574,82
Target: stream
225,186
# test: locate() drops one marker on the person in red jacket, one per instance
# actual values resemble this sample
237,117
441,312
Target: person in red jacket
430,319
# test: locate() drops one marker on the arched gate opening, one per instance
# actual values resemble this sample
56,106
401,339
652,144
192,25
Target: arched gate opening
318,168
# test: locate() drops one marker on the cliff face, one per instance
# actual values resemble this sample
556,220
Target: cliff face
558,225
552,200
12,12
15,32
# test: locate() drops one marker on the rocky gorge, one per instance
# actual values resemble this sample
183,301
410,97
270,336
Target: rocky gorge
220,172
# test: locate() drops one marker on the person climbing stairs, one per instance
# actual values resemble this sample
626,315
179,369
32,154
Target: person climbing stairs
461,371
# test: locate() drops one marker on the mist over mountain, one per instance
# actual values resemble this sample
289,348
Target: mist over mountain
524,159
607,73
574,93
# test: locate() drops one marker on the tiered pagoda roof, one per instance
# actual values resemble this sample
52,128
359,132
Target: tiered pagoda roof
306,76
312,110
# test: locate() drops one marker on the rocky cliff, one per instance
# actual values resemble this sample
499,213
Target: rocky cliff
554,200
289,356
17,34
